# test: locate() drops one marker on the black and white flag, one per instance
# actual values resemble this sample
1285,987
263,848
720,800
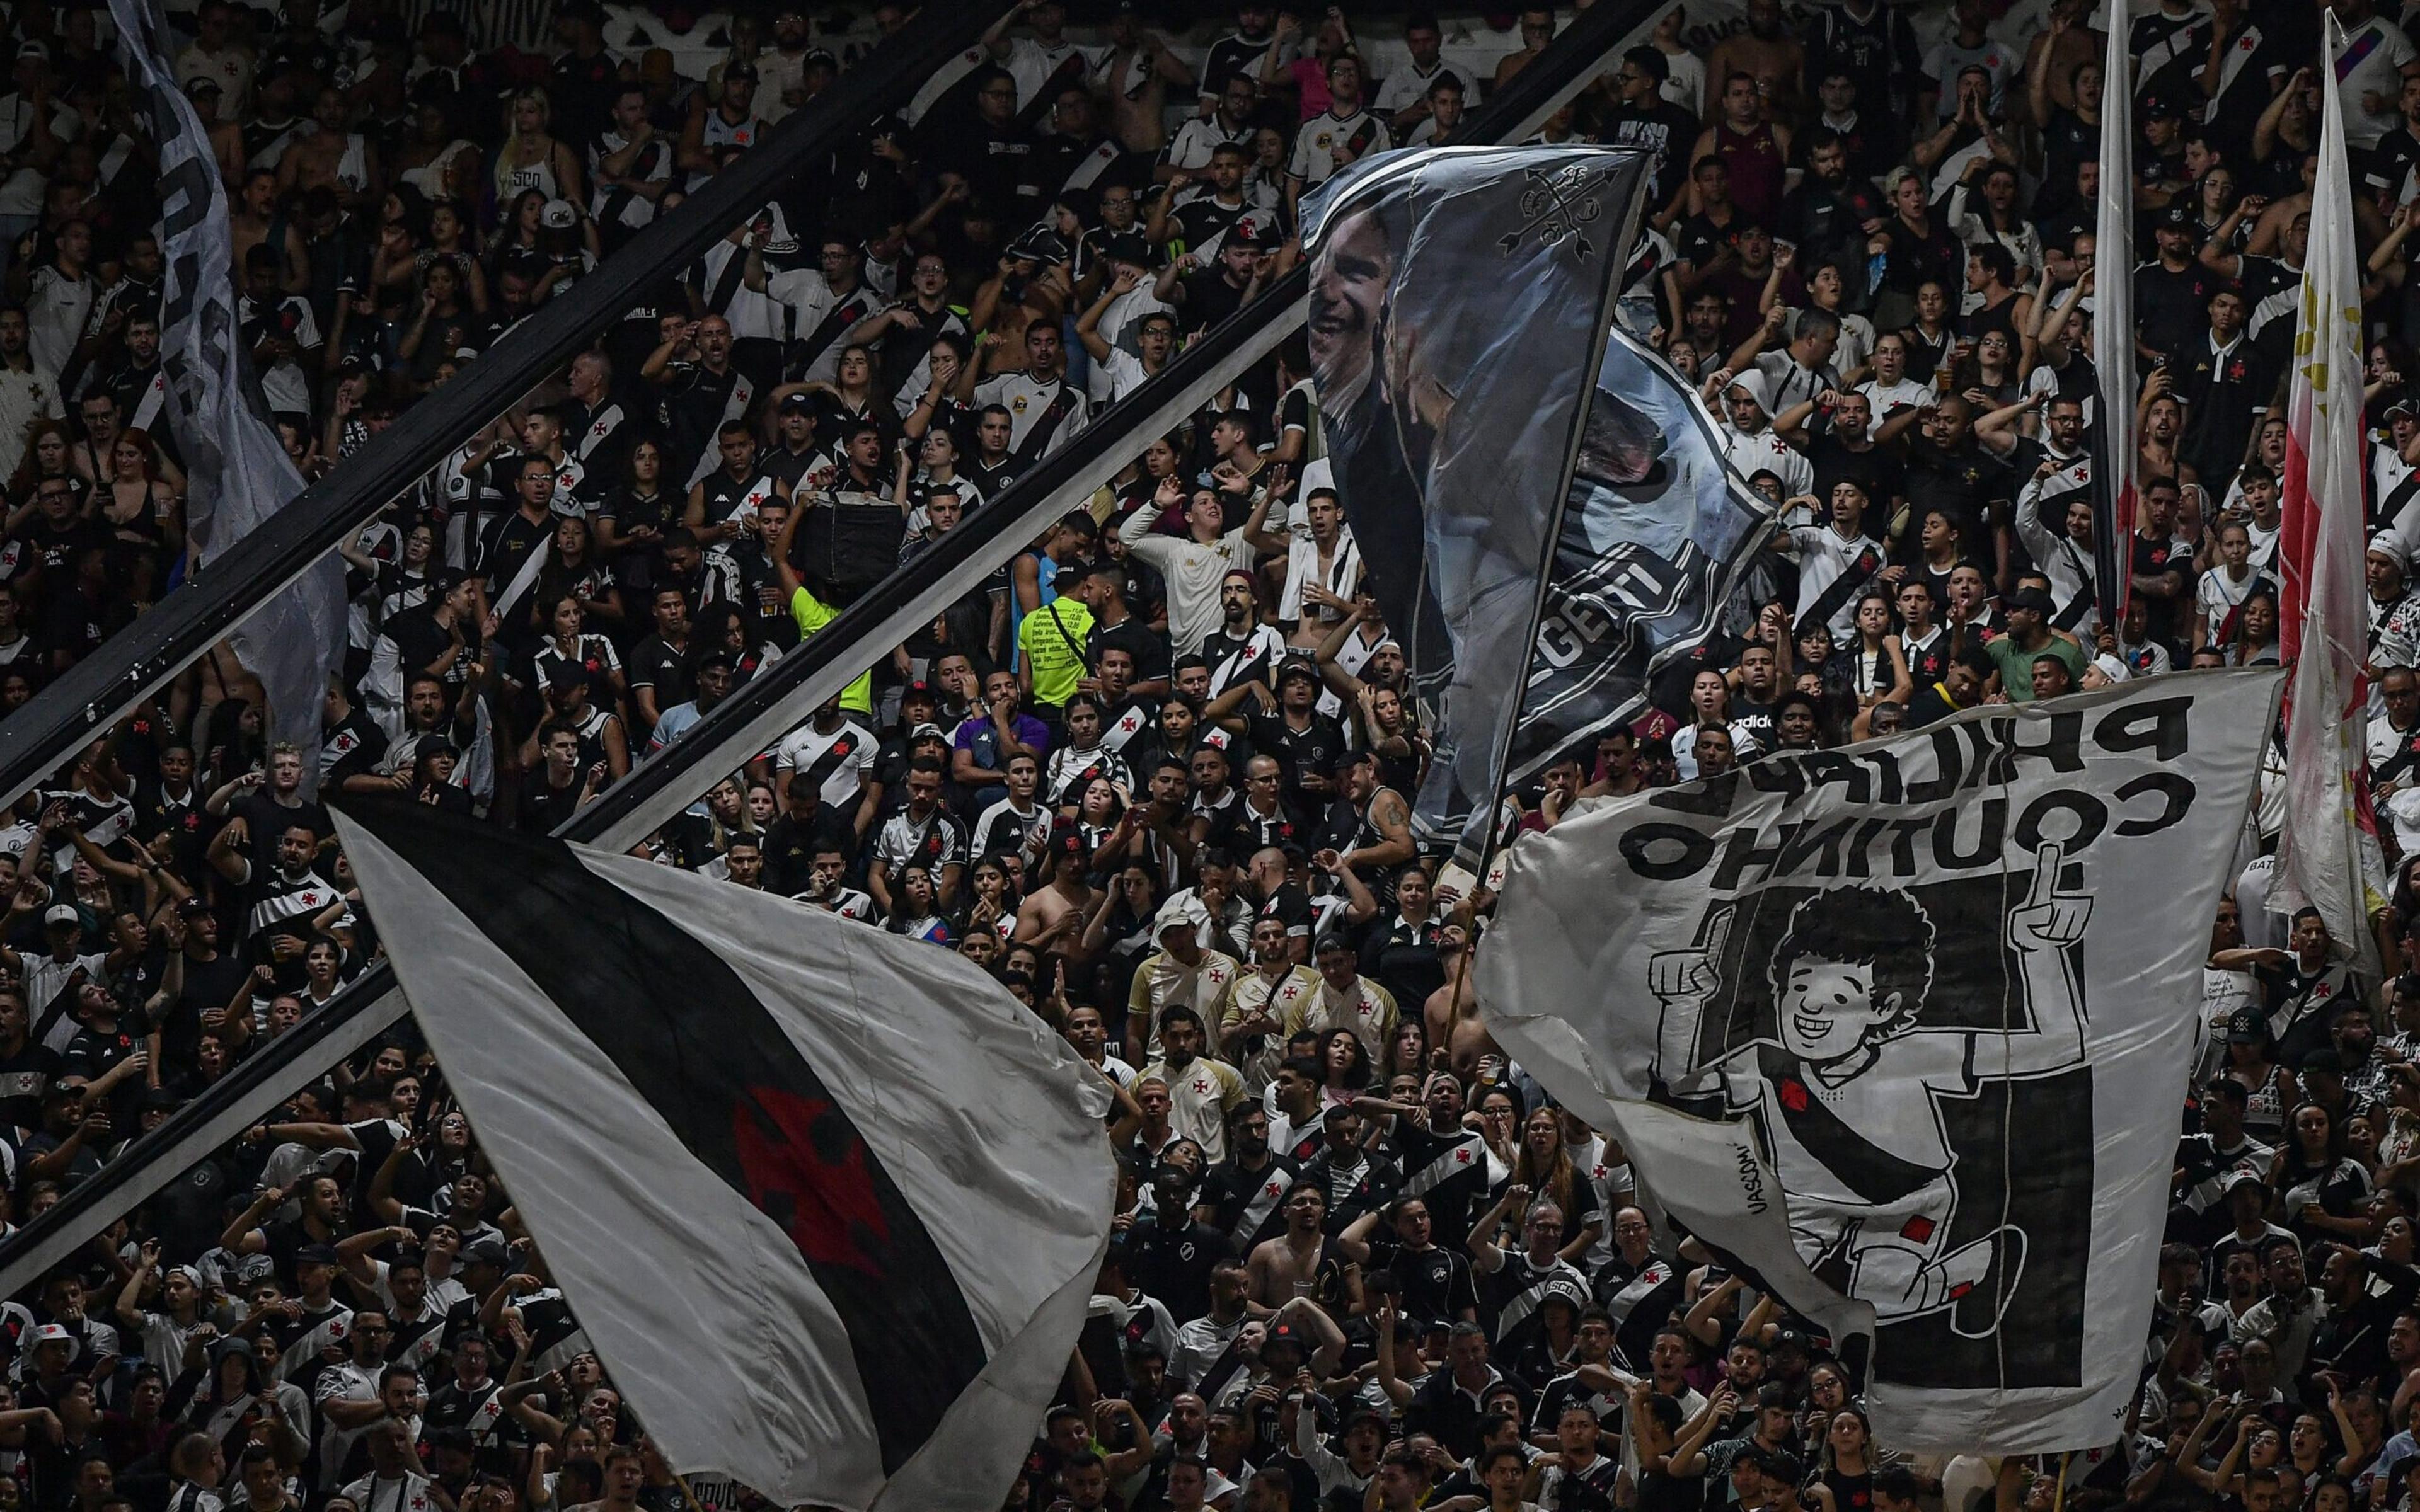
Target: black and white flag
1655,537
1904,1028
1459,302
829,1202
237,474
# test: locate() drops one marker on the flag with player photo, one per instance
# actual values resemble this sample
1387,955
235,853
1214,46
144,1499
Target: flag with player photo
1655,537
773,1157
1460,298
1903,1029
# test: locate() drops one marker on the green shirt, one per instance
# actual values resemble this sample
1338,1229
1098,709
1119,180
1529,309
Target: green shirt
2017,665
812,614
1052,638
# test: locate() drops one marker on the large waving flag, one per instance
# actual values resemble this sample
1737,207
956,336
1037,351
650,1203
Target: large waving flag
1903,1030
2327,854
238,472
1459,300
828,1201
2113,330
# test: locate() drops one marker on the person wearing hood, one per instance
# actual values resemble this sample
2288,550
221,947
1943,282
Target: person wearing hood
1750,443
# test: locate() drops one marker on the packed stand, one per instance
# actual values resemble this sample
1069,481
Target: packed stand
1154,774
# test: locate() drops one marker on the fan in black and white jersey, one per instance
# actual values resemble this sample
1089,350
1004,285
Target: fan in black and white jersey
1015,824
1045,411
1242,650
828,889
285,900
835,753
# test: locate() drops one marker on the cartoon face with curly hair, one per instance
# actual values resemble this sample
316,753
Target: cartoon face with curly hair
1851,972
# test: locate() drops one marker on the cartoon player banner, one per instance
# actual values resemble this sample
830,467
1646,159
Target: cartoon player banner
1904,1029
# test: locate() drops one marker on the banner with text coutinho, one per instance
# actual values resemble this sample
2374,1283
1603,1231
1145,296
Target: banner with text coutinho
1459,300
1906,1027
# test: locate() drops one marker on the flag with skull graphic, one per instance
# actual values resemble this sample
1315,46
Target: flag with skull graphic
1904,1028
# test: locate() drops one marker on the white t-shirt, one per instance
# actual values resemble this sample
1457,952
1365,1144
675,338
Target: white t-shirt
2372,62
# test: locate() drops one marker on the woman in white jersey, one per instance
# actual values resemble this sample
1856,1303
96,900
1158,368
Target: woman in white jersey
531,157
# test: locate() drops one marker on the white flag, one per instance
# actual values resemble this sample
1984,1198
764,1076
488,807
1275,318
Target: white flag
2327,850
1903,1029
829,1202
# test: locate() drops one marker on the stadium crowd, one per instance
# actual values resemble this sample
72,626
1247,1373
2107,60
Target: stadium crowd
1154,774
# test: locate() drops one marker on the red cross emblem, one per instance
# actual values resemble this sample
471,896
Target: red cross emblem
1461,1157
1200,1087
1793,1095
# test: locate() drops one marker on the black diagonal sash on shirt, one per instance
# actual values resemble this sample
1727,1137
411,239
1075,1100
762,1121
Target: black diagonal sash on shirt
1842,590
1046,426
618,199
726,283
1863,1167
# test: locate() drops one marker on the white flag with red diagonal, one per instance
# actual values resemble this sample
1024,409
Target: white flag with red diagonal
2327,856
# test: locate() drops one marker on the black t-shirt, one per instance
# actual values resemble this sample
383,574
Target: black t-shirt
2172,308
25,1077
1310,752
1437,1282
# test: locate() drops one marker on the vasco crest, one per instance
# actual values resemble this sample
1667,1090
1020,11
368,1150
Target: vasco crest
1559,206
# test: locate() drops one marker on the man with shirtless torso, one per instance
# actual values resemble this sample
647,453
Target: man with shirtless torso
333,157
1052,919
1452,1012
1292,1264
1766,53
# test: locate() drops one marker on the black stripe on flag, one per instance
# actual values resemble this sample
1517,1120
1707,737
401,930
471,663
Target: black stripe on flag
698,1045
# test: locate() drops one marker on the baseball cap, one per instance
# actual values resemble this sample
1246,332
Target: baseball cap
317,1254
2385,544
926,731
2159,105
201,83
1126,246
2323,1058
741,71
916,691
558,215
2034,599
1294,667
488,1251
2177,216
32,49
2247,1026
53,1333
797,403
1183,911
1335,939
2406,406
2241,1176
61,914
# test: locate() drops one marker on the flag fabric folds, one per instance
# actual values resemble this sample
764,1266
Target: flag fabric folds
2327,851
2113,330
1655,537
1903,1029
237,471
773,1157
1460,298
